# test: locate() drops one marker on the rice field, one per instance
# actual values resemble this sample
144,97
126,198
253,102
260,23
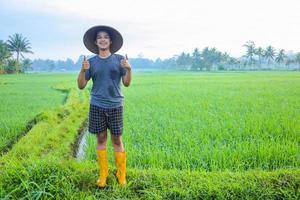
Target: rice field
22,98
188,135
211,121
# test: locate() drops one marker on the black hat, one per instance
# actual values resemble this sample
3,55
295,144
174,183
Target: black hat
90,37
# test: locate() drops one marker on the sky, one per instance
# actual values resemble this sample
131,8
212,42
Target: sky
152,29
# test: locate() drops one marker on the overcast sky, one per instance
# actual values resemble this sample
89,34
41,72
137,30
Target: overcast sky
156,28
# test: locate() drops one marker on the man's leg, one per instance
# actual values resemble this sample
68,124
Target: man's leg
117,142
116,126
102,158
101,140
120,158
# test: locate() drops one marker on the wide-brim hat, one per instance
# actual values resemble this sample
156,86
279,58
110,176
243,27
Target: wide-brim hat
90,37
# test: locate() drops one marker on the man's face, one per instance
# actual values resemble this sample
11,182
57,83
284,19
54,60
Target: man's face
103,40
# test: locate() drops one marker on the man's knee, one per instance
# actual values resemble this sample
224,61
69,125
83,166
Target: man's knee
116,140
102,137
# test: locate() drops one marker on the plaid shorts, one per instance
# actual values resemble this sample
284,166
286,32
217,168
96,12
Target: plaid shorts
102,118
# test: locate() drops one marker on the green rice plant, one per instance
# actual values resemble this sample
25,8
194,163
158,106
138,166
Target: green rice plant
22,98
211,121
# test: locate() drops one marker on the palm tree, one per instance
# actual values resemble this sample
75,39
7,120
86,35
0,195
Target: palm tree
196,59
260,53
19,44
5,54
180,60
269,53
297,59
250,50
280,56
12,66
26,65
183,61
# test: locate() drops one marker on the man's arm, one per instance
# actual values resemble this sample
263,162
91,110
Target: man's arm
81,81
126,79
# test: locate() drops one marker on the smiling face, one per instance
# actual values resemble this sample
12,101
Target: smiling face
103,40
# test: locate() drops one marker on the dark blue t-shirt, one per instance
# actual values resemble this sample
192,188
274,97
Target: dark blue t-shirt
106,74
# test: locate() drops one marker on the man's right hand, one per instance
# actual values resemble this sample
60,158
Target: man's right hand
85,64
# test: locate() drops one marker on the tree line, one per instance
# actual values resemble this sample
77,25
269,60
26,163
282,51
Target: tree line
256,58
12,59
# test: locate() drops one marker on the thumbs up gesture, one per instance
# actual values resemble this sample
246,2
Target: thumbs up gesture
85,64
125,63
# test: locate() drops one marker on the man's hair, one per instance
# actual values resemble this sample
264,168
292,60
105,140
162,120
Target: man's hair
108,33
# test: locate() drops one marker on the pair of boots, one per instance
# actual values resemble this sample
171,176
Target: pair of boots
120,158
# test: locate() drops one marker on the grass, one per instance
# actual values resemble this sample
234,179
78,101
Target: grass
55,134
211,121
69,179
229,115
22,98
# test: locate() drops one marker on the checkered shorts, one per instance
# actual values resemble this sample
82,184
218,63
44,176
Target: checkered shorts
102,118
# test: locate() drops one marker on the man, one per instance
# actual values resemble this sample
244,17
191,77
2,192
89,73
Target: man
106,105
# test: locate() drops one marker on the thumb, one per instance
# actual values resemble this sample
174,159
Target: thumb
84,58
126,56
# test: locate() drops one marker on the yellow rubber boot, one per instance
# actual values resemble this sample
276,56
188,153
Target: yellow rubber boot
120,158
103,167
